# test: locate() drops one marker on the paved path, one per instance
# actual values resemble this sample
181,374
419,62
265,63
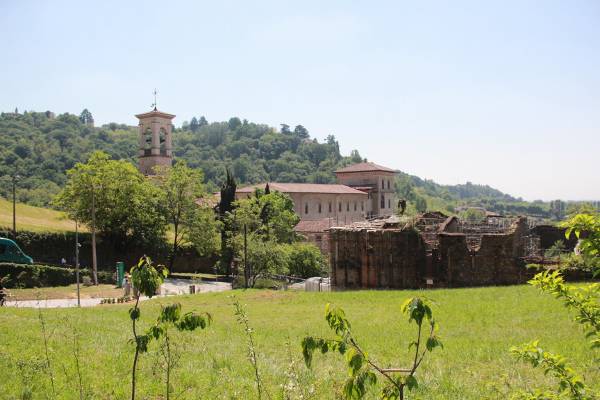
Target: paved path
171,287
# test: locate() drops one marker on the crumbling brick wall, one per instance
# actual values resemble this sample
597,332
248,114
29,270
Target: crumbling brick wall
376,258
549,234
394,258
497,261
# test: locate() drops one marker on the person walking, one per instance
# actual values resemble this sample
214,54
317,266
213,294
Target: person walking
126,286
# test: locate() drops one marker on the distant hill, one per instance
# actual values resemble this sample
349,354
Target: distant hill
42,147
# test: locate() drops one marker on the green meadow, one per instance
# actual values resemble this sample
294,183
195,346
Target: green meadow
477,326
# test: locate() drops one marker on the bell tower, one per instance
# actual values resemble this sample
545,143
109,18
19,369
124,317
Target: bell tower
155,142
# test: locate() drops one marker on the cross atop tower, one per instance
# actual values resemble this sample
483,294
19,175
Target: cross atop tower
154,104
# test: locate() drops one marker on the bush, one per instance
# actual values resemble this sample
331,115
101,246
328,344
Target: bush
306,260
29,276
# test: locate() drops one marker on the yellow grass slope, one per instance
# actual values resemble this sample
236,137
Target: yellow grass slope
34,219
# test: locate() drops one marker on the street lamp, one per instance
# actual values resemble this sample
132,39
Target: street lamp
14,185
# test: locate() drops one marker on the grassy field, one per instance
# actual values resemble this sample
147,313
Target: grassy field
35,219
478,326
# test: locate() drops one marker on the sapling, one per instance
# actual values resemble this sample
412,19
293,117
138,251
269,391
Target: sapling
584,300
146,279
76,349
242,318
45,337
171,317
363,370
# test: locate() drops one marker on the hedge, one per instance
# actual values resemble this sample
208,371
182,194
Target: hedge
29,276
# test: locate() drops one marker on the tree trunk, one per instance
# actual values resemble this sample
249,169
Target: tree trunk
94,259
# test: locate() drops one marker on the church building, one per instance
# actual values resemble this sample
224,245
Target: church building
363,191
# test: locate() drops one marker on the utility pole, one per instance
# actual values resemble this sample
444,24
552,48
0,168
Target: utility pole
77,246
14,199
246,272
94,260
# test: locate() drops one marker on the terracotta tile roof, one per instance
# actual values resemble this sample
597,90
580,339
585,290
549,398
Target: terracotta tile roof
320,225
364,167
303,188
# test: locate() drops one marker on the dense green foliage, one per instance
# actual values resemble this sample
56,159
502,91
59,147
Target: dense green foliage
180,189
32,276
115,197
262,236
41,147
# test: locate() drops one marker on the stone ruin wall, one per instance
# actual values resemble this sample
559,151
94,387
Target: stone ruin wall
376,259
393,258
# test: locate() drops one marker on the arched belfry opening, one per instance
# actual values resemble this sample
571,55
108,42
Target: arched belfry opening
155,141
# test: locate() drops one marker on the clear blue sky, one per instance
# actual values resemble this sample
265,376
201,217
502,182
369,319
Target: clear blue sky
504,93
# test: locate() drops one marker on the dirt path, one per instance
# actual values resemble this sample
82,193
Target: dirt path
171,287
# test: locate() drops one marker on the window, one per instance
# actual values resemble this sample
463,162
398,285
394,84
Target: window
362,206
329,206
305,208
388,185
354,206
162,139
340,207
389,203
382,184
382,201
147,141
319,208
348,206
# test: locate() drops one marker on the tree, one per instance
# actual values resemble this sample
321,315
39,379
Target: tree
301,132
181,187
285,129
234,123
115,199
171,317
225,207
86,117
202,122
363,369
262,257
260,229
146,279
305,260
420,204
194,125
473,215
271,215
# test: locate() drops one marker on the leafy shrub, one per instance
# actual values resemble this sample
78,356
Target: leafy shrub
555,250
28,276
305,260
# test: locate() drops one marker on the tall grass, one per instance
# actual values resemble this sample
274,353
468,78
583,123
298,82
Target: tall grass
478,326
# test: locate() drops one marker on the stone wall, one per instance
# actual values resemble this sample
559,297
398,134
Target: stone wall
494,263
386,258
377,258
549,234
